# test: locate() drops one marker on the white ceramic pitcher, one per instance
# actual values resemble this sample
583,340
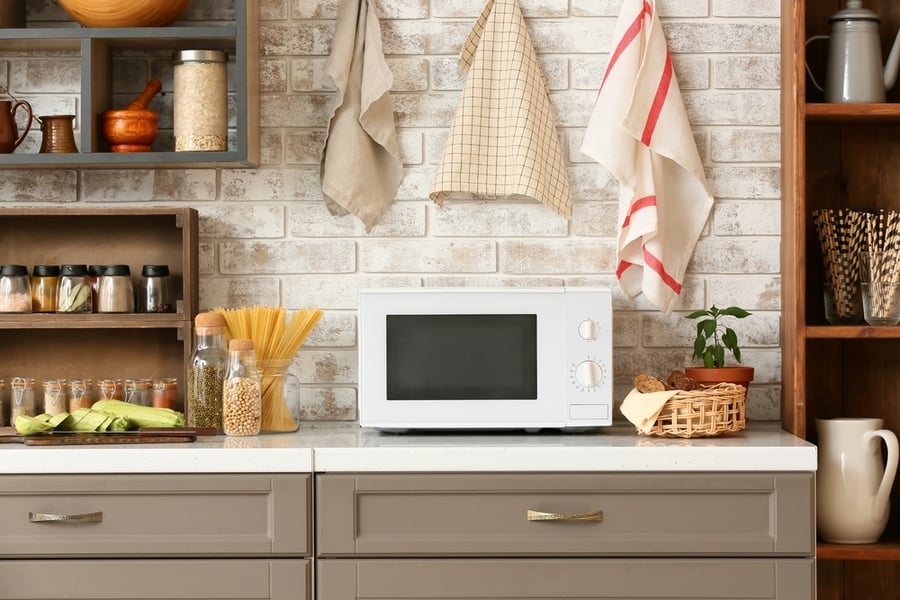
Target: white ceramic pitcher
853,483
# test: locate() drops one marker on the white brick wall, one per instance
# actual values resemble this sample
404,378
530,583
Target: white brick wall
266,237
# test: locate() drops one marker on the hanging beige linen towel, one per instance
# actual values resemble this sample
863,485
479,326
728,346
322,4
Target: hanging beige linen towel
360,168
639,130
503,141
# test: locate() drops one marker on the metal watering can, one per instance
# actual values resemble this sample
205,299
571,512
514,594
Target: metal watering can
854,69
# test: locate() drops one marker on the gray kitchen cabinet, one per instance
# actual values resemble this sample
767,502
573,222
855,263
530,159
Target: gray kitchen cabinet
185,536
589,535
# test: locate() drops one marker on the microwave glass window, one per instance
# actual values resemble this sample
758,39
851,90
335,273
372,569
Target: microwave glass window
462,357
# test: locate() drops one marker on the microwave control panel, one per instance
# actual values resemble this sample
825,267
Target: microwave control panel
589,355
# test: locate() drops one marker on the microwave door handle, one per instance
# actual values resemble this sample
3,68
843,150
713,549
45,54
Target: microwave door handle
536,515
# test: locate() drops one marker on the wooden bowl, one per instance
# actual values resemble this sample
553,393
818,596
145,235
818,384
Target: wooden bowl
125,13
129,130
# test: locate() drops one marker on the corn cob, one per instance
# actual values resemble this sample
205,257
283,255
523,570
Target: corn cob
140,416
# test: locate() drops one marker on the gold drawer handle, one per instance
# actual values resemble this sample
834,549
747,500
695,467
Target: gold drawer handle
536,515
92,517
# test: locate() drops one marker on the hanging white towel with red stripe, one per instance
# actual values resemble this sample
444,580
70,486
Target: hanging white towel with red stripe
639,130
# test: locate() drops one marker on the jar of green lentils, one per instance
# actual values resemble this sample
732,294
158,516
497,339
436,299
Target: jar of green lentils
206,372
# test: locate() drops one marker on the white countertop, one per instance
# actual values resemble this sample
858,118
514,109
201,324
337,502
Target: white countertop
347,448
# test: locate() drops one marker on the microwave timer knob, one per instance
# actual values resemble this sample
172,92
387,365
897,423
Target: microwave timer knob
589,329
588,374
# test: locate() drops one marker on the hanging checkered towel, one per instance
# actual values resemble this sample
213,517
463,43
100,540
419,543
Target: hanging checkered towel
360,167
503,141
639,130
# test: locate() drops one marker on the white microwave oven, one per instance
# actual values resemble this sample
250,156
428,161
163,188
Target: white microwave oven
485,358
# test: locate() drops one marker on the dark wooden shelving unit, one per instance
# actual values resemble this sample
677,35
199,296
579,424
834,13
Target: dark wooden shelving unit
836,156
75,346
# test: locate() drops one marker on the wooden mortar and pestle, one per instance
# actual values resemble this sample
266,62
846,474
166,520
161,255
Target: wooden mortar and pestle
133,128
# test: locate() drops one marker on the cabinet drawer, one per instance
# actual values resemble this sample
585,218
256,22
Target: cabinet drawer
486,514
154,515
238,579
575,578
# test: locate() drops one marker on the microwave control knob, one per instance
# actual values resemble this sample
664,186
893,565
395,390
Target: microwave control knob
589,374
589,329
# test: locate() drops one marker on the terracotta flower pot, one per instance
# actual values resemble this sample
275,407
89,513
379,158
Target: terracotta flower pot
713,375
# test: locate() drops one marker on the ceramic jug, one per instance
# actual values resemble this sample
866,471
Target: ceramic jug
9,132
854,71
853,482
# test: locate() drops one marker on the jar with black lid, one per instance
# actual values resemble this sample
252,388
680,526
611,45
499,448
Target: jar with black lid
116,294
44,280
155,291
73,293
15,289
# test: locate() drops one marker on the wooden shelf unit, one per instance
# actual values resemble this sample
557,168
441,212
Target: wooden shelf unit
836,156
97,48
73,346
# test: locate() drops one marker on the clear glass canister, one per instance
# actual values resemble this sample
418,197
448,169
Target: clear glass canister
15,289
55,396
21,398
280,396
138,391
155,291
44,279
116,294
241,392
165,393
206,372
80,394
110,389
73,293
201,100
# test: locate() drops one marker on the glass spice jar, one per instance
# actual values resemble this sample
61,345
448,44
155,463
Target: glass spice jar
138,391
155,290
21,398
206,372
116,294
44,279
15,289
54,396
200,100
93,277
109,389
165,393
241,392
73,293
80,394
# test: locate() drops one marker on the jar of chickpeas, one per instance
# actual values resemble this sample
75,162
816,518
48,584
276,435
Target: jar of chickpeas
241,392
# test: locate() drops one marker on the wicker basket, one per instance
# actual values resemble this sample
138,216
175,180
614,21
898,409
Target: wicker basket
702,413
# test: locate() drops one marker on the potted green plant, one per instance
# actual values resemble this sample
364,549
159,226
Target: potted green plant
714,339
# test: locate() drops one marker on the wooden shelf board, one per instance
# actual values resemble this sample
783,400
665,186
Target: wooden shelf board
92,320
882,551
111,160
852,332
852,112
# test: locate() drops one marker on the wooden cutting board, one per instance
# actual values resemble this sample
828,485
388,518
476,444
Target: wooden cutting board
9,434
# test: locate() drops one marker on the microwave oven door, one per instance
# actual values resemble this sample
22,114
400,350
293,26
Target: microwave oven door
462,361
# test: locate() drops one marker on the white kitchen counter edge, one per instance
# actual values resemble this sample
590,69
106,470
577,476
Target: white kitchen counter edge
347,448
